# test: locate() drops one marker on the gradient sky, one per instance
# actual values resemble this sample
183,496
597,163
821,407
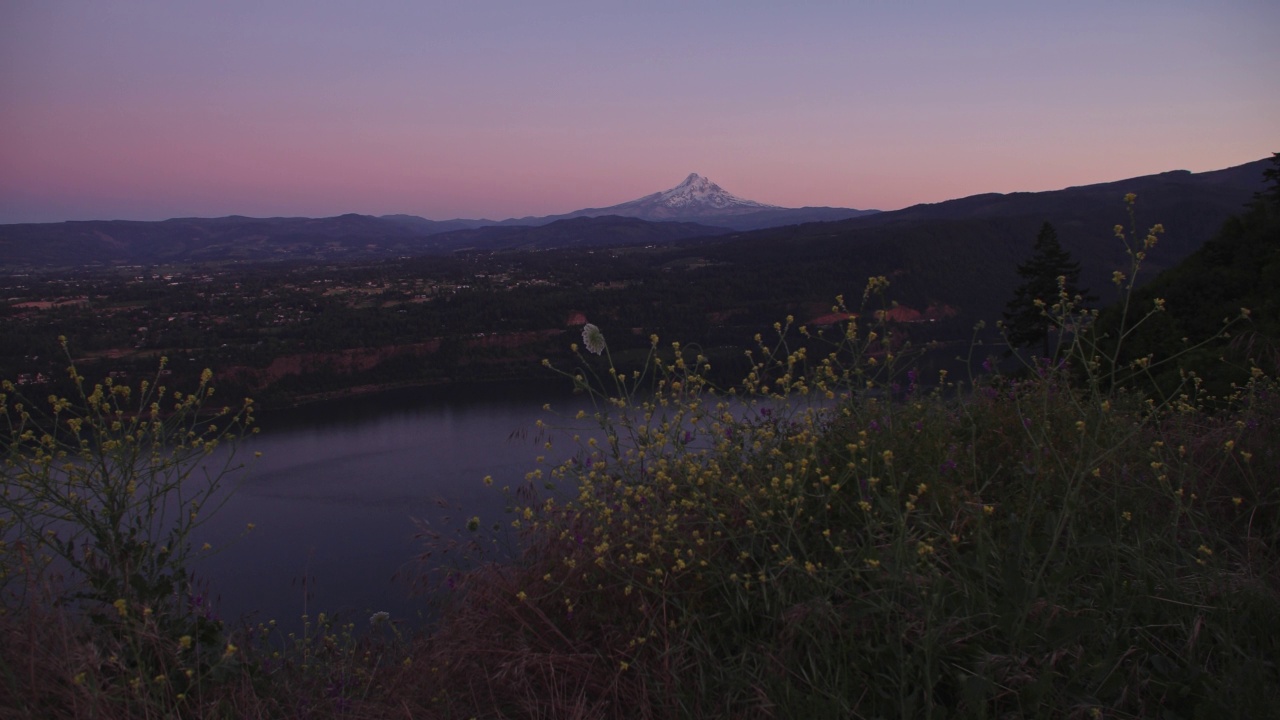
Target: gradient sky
507,108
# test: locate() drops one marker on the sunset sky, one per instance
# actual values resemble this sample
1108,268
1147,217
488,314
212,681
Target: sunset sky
507,108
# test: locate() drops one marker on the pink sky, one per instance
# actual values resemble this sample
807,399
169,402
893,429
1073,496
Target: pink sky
501,108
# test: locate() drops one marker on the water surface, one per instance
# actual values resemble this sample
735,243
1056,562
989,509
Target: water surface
336,491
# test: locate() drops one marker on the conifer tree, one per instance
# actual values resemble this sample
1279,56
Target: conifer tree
1025,321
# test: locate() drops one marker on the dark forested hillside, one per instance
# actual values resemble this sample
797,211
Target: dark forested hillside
1239,268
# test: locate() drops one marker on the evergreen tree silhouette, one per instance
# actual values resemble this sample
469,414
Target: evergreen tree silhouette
1025,321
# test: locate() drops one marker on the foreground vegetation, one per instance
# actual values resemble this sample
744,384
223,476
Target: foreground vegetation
831,537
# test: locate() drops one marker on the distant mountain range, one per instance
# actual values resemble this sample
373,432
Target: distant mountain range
696,208
573,232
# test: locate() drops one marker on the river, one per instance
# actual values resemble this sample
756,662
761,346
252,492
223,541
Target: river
335,493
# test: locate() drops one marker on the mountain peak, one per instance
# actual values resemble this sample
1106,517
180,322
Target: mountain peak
698,199
696,195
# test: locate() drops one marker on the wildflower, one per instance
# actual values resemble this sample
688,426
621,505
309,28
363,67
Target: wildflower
121,607
593,338
231,650
185,642
522,596
1237,500
379,617
474,523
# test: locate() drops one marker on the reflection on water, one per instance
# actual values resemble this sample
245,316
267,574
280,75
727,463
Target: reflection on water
335,493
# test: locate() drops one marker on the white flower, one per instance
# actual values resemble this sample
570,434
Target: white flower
593,338
378,618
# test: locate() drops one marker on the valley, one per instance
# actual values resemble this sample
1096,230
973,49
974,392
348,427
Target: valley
300,328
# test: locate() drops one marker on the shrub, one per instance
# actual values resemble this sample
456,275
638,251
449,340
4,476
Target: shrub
102,492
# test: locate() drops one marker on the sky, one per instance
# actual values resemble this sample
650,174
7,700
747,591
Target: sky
510,108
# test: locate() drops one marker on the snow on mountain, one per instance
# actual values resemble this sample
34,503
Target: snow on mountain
699,192
696,196
698,200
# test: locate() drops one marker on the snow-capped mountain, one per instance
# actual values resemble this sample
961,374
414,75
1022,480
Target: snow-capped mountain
695,196
699,200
